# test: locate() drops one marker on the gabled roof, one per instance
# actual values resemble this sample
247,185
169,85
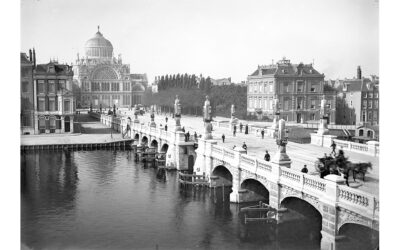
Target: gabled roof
285,68
58,68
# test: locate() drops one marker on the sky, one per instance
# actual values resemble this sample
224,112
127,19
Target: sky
224,38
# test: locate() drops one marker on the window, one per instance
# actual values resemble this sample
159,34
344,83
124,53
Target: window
58,122
52,105
370,104
115,86
376,104
271,86
369,133
369,116
365,94
105,86
95,86
61,84
312,104
42,125
126,100
265,87
363,116
364,104
376,94
361,132
67,106
370,95
265,103
127,86
286,87
375,115
351,103
299,103
52,124
24,86
300,86
286,104
52,86
41,86
312,116
41,105
314,87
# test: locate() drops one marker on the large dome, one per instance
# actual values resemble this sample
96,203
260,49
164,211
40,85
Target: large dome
98,47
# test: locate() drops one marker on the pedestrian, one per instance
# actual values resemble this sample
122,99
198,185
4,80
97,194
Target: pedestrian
195,136
234,146
304,169
166,119
246,130
234,130
333,146
262,133
267,157
244,146
241,127
183,129
223,138
166,127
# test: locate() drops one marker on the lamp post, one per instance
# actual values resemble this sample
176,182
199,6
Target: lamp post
281,140
207,119
177,114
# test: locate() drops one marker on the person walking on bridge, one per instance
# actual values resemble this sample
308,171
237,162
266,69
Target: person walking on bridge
304,169
223,138
246,130
267,157
166,119
241,127
333,146
234,130
262,133
244,146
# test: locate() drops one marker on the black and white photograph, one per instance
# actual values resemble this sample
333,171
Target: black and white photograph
198,124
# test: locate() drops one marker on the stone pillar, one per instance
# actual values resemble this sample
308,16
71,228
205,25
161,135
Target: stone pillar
234,121
281,158
152,123
62,124
71,122
323,126
177,114
207,119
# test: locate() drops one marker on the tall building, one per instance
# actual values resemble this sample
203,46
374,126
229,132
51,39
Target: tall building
358,100
54,102
27,94
299,89
102,79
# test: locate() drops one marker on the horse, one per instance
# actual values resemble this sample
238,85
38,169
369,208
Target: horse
360,168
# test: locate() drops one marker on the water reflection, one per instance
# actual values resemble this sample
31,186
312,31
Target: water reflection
104,200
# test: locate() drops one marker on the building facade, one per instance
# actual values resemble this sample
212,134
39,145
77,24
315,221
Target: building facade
298,88
221,82
358,101
102,80
54,102
27,93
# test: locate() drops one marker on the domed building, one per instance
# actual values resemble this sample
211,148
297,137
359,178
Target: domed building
103,80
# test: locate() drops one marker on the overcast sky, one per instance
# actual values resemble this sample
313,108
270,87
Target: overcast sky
218,38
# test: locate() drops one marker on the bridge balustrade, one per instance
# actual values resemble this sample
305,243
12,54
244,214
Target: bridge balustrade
358,201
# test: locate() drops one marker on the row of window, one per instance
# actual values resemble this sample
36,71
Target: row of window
369,116
266,87
53,104
106,86
287,87
268,104
370,104
371,95
52,86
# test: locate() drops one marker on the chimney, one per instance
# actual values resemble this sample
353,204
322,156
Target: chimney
30,55
34,58
358,72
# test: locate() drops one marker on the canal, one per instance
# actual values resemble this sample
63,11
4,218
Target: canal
104,200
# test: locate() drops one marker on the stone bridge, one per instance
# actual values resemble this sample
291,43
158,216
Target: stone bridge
328,201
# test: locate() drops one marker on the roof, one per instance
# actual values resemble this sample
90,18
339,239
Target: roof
24,58
61,69
285,68
354,85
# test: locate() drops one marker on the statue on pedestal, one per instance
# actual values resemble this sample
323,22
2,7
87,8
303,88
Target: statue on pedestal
234,120
281,141
152,123
177,114
207,119
136,112
323,123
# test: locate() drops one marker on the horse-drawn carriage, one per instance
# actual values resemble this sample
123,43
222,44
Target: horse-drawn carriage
340,165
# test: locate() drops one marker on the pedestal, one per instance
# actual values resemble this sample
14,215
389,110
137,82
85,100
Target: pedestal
322,140
281,158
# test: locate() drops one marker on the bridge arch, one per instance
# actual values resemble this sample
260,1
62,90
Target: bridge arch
359,236
164,148
224,175
145,141
256,191
310,218
154,144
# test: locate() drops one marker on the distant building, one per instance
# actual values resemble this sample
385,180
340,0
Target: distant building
298,87
358,100
54,102
221,82
27,93
154,85
103,80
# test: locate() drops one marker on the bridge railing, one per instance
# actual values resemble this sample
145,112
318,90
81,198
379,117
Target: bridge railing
357,147
357,200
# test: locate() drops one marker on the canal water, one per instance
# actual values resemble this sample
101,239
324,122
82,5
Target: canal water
104,200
